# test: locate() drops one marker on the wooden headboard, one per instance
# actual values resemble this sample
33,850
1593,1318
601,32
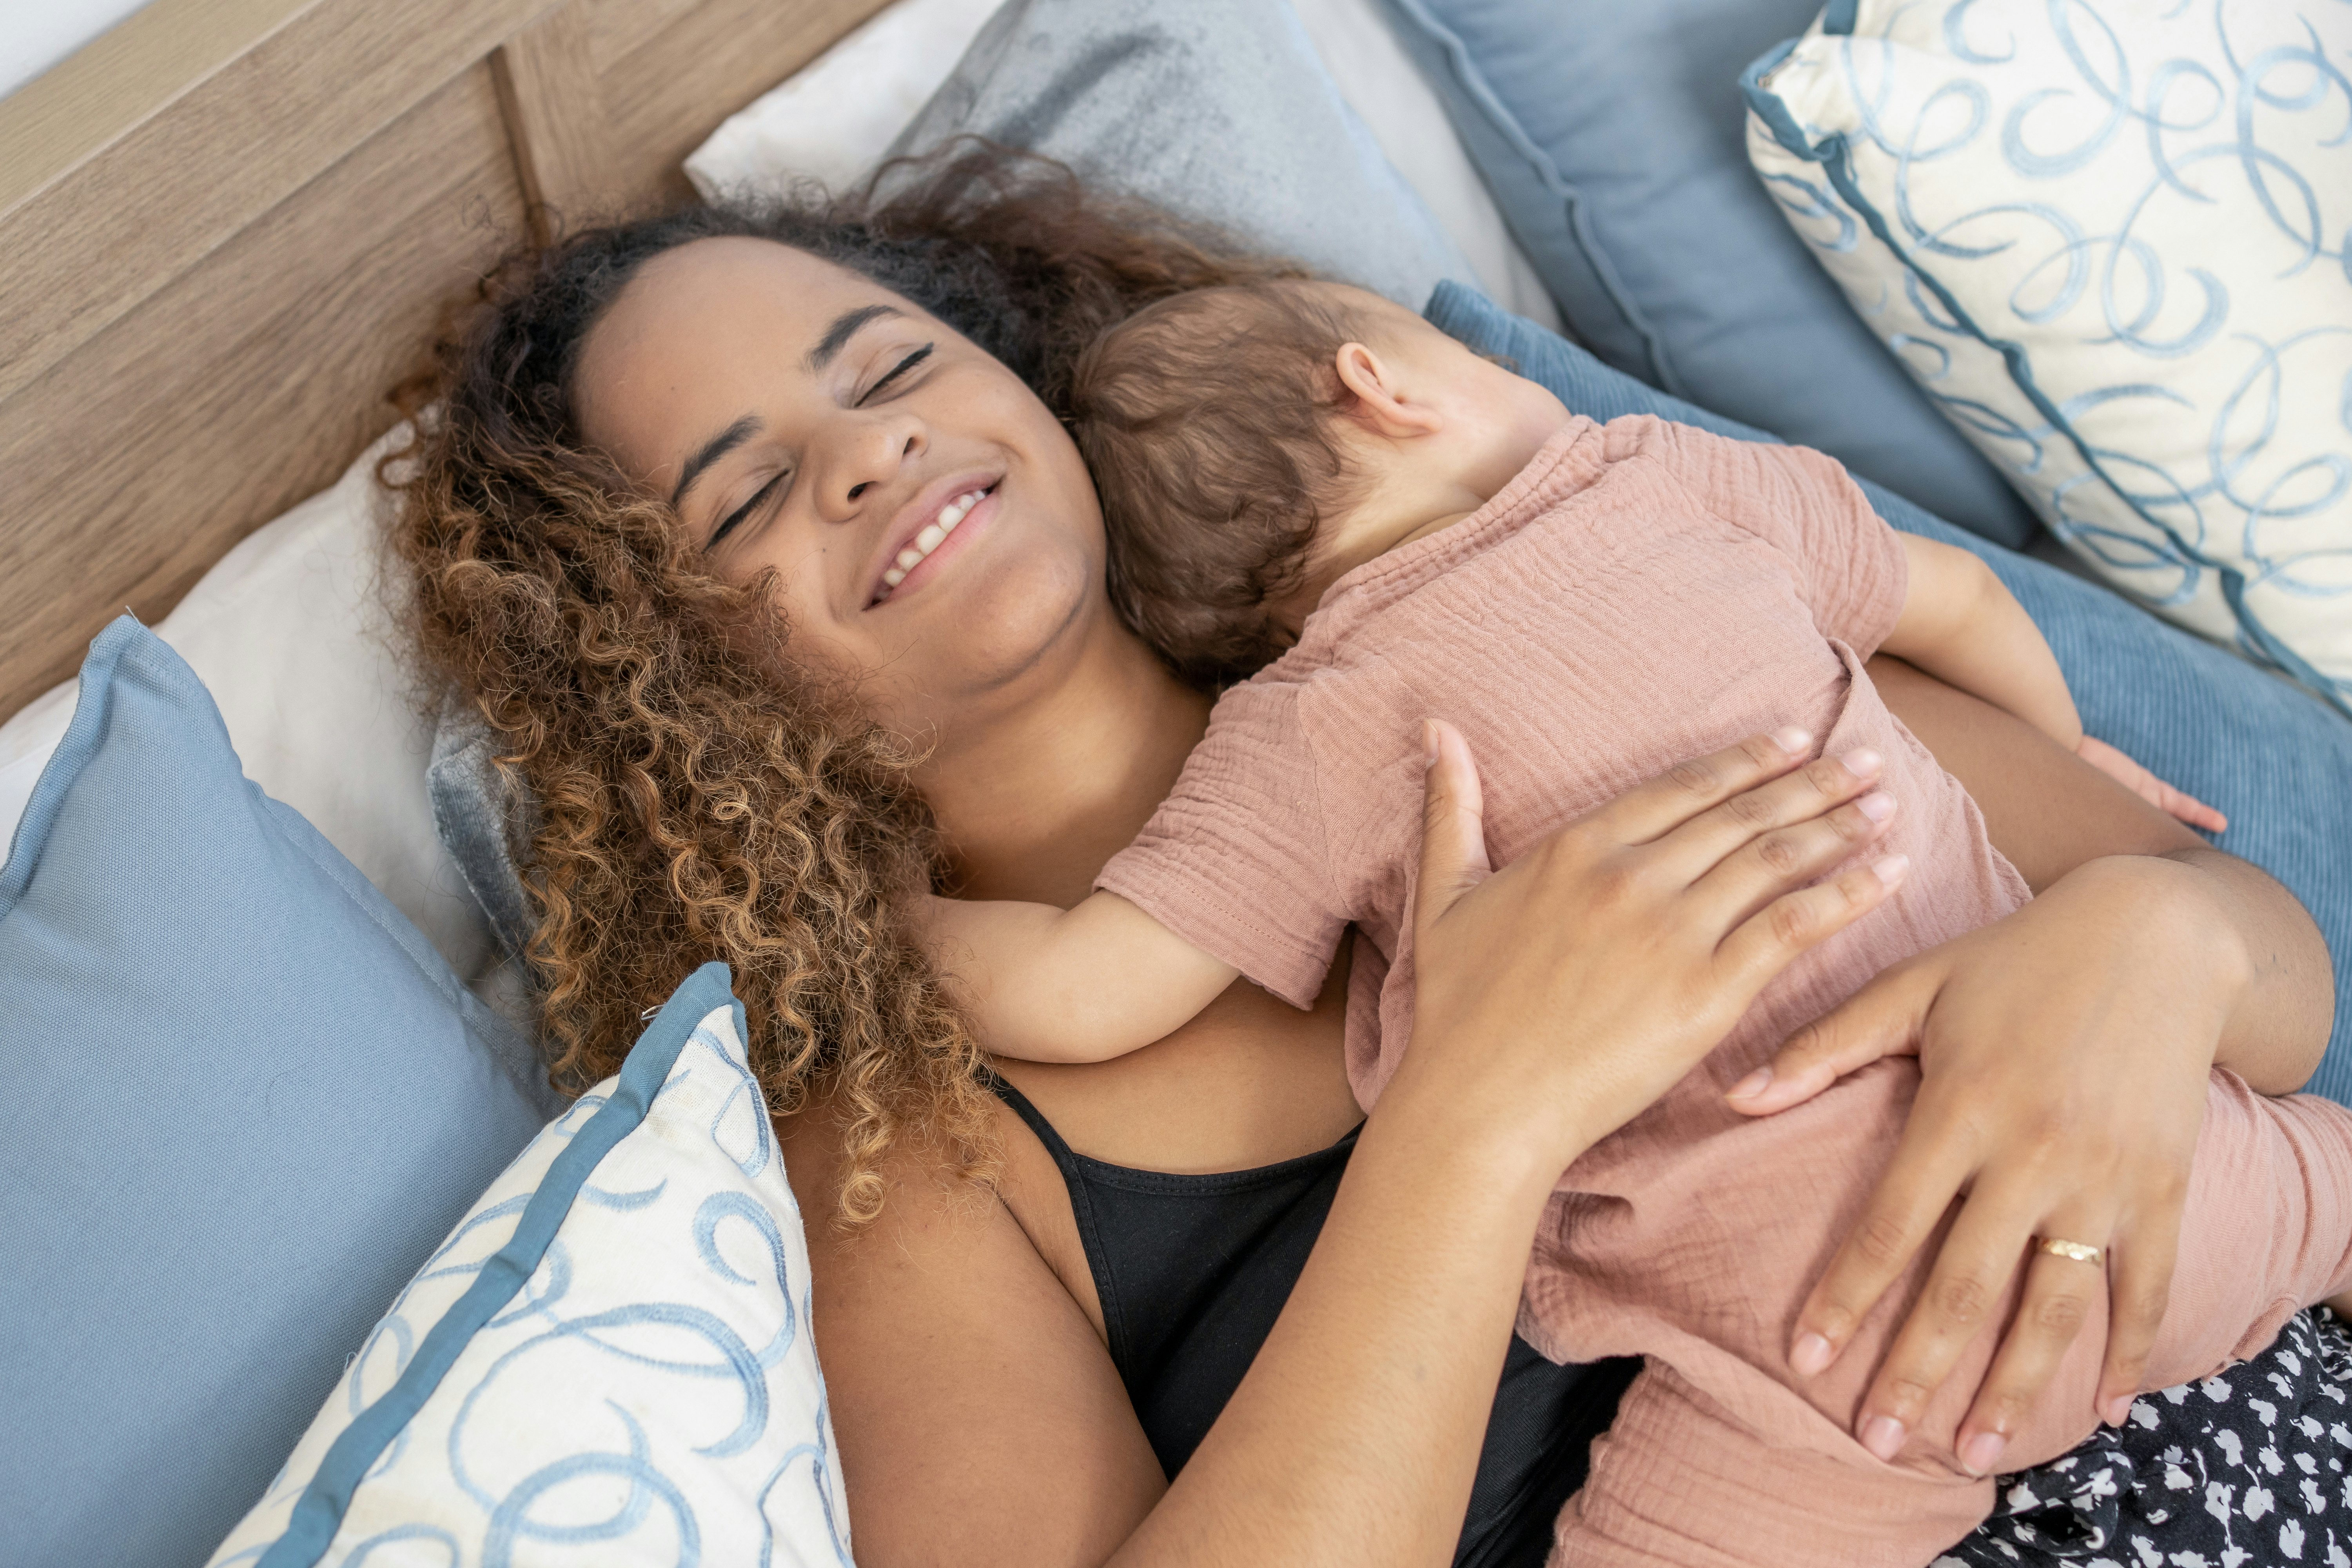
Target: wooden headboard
228,225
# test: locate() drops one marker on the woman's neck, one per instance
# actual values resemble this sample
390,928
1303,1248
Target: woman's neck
1051,790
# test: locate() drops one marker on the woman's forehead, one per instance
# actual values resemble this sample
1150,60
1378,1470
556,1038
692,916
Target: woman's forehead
731,286
710,317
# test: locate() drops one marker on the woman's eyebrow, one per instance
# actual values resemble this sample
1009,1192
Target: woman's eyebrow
717,447
845,327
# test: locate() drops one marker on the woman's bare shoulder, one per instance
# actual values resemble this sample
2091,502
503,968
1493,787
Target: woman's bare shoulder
980,1418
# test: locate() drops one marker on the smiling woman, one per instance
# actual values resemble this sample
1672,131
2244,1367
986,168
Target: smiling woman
660,573
653,527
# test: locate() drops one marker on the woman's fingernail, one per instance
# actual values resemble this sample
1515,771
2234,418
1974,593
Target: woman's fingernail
2115,1411
1428,745
1752,1086
1793,740
1811,1354
1883,1436
1877,805
1863,763
1980,1453
1891,869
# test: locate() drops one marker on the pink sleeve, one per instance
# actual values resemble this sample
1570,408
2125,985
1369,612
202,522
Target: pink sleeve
1849,564
1233,859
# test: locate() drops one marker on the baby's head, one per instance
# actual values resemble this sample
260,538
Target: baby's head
1253,444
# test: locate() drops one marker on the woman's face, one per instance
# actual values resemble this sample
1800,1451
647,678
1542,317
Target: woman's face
933,527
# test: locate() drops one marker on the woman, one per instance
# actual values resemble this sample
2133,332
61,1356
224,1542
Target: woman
649,530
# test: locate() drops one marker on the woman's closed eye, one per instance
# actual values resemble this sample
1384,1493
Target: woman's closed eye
895,371
727,525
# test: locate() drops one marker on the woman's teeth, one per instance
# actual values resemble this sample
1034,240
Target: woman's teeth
932,536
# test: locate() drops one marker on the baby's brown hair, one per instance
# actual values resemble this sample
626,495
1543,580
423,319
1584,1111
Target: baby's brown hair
1207,420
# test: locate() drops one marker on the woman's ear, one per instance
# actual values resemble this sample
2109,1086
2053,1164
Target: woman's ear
1382,402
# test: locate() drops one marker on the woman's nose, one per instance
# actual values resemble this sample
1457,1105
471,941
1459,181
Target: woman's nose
868,458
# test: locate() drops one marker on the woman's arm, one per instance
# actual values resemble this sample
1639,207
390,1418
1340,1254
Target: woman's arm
980,1419
2051,814
2065,1055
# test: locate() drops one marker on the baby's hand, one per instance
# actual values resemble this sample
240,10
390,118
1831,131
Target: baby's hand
2150,788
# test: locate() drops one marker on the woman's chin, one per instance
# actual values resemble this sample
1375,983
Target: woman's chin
989,632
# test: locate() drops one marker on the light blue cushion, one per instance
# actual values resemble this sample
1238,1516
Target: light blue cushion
1219,109
245,1099
608,1362
2272,758
1611,137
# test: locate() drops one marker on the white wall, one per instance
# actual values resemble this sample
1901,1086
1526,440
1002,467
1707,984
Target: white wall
37,34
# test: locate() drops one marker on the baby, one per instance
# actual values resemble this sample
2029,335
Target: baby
1310,488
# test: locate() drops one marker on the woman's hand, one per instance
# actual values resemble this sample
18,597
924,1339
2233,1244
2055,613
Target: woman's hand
1597,969
2064,1054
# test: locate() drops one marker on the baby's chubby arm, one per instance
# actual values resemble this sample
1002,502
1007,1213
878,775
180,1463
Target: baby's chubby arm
1082,984
1961,623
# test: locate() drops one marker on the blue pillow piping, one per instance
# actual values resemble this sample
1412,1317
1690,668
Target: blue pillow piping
93,702
1475,86
319,1513
1834,154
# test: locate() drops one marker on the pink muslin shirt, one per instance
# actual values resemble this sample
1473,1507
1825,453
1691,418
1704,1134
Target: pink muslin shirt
1643,593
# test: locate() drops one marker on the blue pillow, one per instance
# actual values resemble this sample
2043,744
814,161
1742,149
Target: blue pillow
2271,757
246,1099
1614,139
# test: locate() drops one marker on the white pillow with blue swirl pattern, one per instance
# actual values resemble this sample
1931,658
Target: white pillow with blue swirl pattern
608,1362
2112,240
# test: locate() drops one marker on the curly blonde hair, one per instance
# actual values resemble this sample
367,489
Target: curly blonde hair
700,793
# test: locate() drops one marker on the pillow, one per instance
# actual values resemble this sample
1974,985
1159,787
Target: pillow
2115,244
1217,110
1611,137
611,1351
246,1097
292,636
2270,757
834,119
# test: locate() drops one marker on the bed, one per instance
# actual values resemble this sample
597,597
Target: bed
234,222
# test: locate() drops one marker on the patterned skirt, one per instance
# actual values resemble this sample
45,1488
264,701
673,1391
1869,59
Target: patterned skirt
2243,1470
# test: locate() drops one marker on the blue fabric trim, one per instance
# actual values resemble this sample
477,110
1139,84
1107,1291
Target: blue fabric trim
319,1513
1479,91
1834,154
92,703
1838,18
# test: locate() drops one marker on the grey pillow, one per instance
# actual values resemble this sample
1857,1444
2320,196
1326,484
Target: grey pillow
482,819
1218,111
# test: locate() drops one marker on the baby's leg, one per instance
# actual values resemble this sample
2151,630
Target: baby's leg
1676,1483
2267,1229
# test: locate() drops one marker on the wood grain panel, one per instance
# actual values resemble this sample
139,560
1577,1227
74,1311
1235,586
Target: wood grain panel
231,224
245,384
96,241
118,78
555,116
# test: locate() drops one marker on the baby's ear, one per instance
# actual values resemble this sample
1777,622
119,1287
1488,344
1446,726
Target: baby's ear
1382,402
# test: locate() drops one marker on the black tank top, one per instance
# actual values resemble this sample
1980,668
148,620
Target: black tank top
1192,1271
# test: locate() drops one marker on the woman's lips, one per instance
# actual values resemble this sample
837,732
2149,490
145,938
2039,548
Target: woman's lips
937,543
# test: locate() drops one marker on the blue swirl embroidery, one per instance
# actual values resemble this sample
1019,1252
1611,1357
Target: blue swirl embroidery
2056,161
672,1381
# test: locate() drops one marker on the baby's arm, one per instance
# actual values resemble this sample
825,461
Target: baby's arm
1082,984
1961,625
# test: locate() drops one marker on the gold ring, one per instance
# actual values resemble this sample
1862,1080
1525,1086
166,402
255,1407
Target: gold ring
2075,1250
